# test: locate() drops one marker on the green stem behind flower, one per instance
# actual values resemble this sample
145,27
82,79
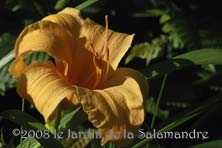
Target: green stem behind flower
21,129
158,100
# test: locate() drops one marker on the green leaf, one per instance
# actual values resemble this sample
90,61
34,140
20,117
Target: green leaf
196,57
86,4
176,40
170,126
202,56
30,123
79,118
168,27
6,80
6,59
210,38
37,56
181,118
150,108
176,34
79,140
164,18
151,13
81,143
6,43
140,50
67,118
180,31
29,143
109,145
147,51
177,104
60,4
210,144
155,12
2,140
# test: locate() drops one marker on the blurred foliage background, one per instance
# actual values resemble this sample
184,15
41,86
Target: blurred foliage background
164,29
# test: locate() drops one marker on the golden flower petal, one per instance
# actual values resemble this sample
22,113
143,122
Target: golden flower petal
96,38
119,106
69,18
42,36
57,41
117,43
86,55
66,39
45,87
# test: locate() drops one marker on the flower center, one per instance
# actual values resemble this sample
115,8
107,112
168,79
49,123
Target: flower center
100,61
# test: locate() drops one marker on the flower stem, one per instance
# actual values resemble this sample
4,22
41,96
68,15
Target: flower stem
58,117
158,100
21,129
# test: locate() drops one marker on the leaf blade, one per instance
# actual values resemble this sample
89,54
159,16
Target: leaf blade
196,57
30,123
211,144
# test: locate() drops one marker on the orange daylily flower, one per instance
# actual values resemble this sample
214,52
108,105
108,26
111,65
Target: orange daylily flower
84,72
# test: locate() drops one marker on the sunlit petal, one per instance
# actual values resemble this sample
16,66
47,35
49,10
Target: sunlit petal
45,87
44,36
117,43
69,18
119,106
83,72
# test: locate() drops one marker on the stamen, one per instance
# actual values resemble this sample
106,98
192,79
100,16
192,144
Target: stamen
105,48
66,70
106,51
100,61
